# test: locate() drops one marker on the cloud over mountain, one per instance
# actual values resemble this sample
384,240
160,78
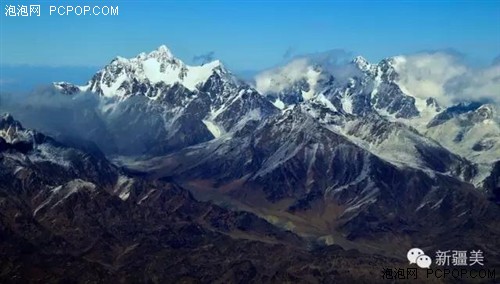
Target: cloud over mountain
444,76
204,58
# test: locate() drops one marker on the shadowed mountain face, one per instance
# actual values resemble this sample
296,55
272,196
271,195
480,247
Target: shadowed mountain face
492,183
155,104
214,180
72,216
319,183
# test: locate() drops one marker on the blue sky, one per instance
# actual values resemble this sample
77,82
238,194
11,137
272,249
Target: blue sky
250,35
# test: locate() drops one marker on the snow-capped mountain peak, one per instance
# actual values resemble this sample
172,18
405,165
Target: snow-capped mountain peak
121,76
362,63
291,84
384,79
162,55
10,129
359,88
162,51
172,103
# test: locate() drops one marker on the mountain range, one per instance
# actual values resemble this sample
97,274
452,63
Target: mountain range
176,167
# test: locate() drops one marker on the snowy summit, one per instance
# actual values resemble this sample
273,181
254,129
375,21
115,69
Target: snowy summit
158,66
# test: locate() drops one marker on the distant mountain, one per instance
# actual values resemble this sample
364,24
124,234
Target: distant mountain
171,105
69,215
359,88
322,184
168,104
345,155
469,129
371,96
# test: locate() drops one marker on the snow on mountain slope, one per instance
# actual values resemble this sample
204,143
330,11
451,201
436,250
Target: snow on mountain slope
473,132
358,87
26,147
403,146
338,139
407,89
168,104
292,164
290,84
275,81
213,128
389,96
118,78
395,142
75,169
172,105
366,107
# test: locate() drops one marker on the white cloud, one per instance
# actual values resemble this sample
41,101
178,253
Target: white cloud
275,80
481,84
304,67
425,75
445,77
442,75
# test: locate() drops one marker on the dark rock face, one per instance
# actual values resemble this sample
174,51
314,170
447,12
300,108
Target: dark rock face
492,183
483,146
431,102
73,217
140,127
291,95
469,129
371,89
237,100
391,98
453,112
67,88
316,170
157,118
